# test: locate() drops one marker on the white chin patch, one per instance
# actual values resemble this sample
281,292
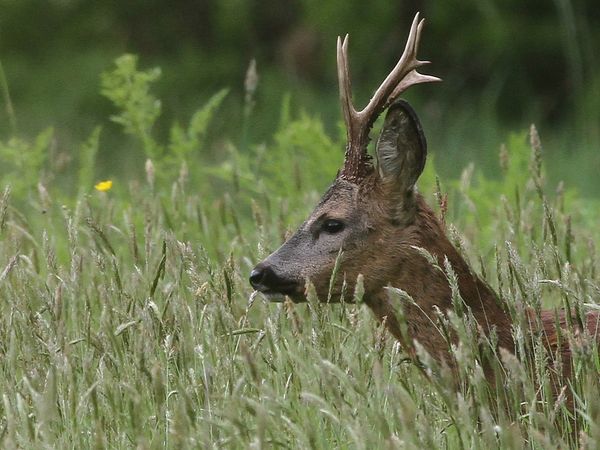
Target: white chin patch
274,297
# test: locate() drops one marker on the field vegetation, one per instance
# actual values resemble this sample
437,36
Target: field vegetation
126,318
150,156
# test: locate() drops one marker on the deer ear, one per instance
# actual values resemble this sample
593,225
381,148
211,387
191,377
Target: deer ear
401,147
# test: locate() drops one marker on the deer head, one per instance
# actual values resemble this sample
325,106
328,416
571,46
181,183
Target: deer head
365,222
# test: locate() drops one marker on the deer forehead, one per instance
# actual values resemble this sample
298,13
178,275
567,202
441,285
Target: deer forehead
341,200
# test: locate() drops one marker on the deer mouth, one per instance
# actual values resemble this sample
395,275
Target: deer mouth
279,294
264,279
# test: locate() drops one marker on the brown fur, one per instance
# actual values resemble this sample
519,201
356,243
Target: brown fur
430,289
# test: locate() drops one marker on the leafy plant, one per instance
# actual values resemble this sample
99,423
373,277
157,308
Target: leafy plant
87,160
129,89
22,165
184,142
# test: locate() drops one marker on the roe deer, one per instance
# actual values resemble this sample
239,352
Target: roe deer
375,215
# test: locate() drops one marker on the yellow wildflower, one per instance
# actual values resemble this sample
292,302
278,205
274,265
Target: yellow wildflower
103,186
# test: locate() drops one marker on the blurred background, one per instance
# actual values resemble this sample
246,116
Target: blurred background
505,64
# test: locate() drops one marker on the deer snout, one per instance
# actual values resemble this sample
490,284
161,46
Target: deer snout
265,279
258,276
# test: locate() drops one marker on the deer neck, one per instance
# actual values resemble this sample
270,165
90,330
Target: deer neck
430,289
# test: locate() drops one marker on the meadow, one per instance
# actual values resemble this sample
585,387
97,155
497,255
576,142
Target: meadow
126,317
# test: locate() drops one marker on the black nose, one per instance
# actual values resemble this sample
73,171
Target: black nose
262,278
256,277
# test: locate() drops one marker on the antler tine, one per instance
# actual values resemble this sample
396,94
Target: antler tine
345,84
400,76
413,77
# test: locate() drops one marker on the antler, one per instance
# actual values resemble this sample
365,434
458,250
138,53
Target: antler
359,123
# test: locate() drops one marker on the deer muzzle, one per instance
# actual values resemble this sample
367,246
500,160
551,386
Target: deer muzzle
265,279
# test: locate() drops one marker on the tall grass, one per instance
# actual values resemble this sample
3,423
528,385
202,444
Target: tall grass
126,319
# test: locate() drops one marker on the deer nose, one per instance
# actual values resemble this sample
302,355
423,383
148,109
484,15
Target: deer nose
262,277
265,279
255,277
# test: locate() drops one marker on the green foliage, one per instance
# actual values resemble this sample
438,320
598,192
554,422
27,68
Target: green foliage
7,100
129,89
23,162
184,142
87,160
300,157
480,203
126,318
516,198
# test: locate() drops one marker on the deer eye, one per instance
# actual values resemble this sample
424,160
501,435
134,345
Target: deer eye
332,226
